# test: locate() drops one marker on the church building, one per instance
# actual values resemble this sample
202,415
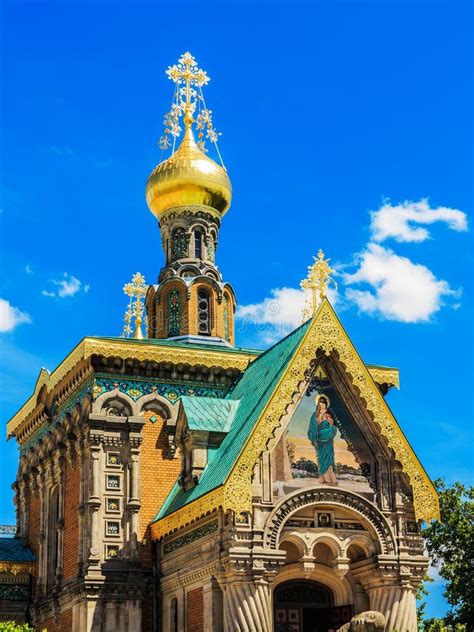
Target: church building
171,481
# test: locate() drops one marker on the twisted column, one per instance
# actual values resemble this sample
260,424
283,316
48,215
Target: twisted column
247,605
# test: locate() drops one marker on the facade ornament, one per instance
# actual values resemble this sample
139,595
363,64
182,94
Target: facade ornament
136,290
188,100
317,281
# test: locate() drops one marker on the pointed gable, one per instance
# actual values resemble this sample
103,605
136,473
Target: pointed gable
265,391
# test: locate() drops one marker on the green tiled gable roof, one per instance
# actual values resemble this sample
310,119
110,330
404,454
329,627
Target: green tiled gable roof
12,550
253,391
211,414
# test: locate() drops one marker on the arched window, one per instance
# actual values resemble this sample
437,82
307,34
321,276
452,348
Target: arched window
52,551
204,312
179,244
226,319
198,244
211,247
174,313
174,615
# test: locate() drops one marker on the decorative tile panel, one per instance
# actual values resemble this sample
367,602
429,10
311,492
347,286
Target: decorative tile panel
112,505
137,388
14,592
192,536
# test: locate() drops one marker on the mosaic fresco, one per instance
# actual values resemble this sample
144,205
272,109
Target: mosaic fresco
322,446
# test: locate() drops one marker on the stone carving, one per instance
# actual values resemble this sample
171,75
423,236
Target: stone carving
298,500
369,621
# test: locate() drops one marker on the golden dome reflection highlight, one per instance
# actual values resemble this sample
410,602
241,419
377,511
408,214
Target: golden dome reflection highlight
188,178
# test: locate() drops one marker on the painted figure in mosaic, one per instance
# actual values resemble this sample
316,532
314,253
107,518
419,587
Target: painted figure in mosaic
321,433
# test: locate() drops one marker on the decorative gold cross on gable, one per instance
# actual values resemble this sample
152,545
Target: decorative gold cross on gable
318,280
136,290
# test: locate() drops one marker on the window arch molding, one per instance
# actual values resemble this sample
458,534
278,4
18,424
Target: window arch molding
204,310
179,243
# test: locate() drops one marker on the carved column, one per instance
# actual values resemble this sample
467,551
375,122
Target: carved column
133,505
81,460
401,611
60,472
94,503
40,489
247,604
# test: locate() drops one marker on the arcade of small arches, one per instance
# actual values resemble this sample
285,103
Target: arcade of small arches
197,305
186,239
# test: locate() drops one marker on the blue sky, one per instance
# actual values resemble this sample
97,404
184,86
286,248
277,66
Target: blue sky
329,112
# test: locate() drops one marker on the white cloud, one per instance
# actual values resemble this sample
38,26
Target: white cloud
28,269
11,317
399,289
69,285
275,316
404,222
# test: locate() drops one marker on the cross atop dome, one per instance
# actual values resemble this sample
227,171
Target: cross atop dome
188,99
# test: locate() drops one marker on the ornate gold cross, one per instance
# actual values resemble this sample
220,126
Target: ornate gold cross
318,280
188,98
136,290
187,70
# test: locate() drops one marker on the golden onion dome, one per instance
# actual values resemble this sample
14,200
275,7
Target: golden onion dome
188,178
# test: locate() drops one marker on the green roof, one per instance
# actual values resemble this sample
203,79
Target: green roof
211,414
253,391
12,550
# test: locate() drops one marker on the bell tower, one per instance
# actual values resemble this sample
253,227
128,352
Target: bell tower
189,194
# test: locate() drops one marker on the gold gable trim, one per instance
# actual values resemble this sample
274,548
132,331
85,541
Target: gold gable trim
16,567
127,349
327,333
384,375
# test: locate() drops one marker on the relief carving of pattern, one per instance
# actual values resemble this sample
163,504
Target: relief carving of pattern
312,496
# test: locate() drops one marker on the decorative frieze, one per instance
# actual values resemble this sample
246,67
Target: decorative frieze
171,391
191,536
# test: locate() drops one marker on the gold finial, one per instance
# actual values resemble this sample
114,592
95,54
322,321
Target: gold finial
188,97
318,280
127,320
136,290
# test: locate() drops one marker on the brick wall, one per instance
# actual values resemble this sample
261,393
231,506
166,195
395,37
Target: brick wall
158,475
71,521
34,514
195,611
64,625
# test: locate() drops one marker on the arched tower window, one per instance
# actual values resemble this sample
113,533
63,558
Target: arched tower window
174,313
52,551
226,318
179,248
204,312
198,244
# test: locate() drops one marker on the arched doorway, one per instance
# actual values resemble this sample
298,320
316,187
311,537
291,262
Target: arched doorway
306,606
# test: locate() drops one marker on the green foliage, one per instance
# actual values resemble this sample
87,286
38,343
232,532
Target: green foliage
450,544
307,466
439,625
10,626
420,594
